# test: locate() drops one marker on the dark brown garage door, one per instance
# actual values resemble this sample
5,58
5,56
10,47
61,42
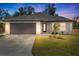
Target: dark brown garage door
22,28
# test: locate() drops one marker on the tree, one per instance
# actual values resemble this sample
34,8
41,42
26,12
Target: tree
21,11
25,10
31,10
56,27
16,14
50,9
2,27
7,15
4,14
56,15
77,25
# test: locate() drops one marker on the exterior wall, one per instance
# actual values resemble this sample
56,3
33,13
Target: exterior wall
69,27
7,25
38,27
65,27
49,27
7,28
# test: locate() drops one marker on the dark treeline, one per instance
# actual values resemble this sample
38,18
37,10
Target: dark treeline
50,10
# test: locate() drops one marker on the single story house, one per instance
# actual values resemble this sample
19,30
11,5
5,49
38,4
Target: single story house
36,24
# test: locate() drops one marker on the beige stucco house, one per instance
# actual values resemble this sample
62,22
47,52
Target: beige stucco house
36,24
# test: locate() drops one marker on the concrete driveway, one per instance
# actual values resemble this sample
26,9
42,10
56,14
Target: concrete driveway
16,45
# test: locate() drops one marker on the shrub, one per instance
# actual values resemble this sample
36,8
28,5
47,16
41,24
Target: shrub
50,36
2,29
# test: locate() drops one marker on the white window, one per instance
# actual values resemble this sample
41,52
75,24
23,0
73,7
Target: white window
63,27
44,27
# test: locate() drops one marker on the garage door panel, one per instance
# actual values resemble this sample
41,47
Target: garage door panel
23,28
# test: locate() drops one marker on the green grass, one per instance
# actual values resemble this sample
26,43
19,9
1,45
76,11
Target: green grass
65,45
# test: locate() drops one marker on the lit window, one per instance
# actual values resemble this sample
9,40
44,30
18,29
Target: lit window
63,26
44,27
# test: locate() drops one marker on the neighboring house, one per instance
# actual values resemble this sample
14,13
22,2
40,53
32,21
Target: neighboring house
36,24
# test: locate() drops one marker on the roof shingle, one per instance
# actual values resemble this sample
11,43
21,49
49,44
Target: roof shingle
39,17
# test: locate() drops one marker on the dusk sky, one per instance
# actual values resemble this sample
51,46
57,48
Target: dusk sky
69,10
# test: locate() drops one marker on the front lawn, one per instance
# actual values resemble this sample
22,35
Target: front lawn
65,45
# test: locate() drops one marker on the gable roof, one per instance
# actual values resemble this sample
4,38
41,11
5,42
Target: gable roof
39,17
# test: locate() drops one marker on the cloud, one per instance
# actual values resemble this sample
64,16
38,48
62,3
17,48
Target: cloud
69,11
70,16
